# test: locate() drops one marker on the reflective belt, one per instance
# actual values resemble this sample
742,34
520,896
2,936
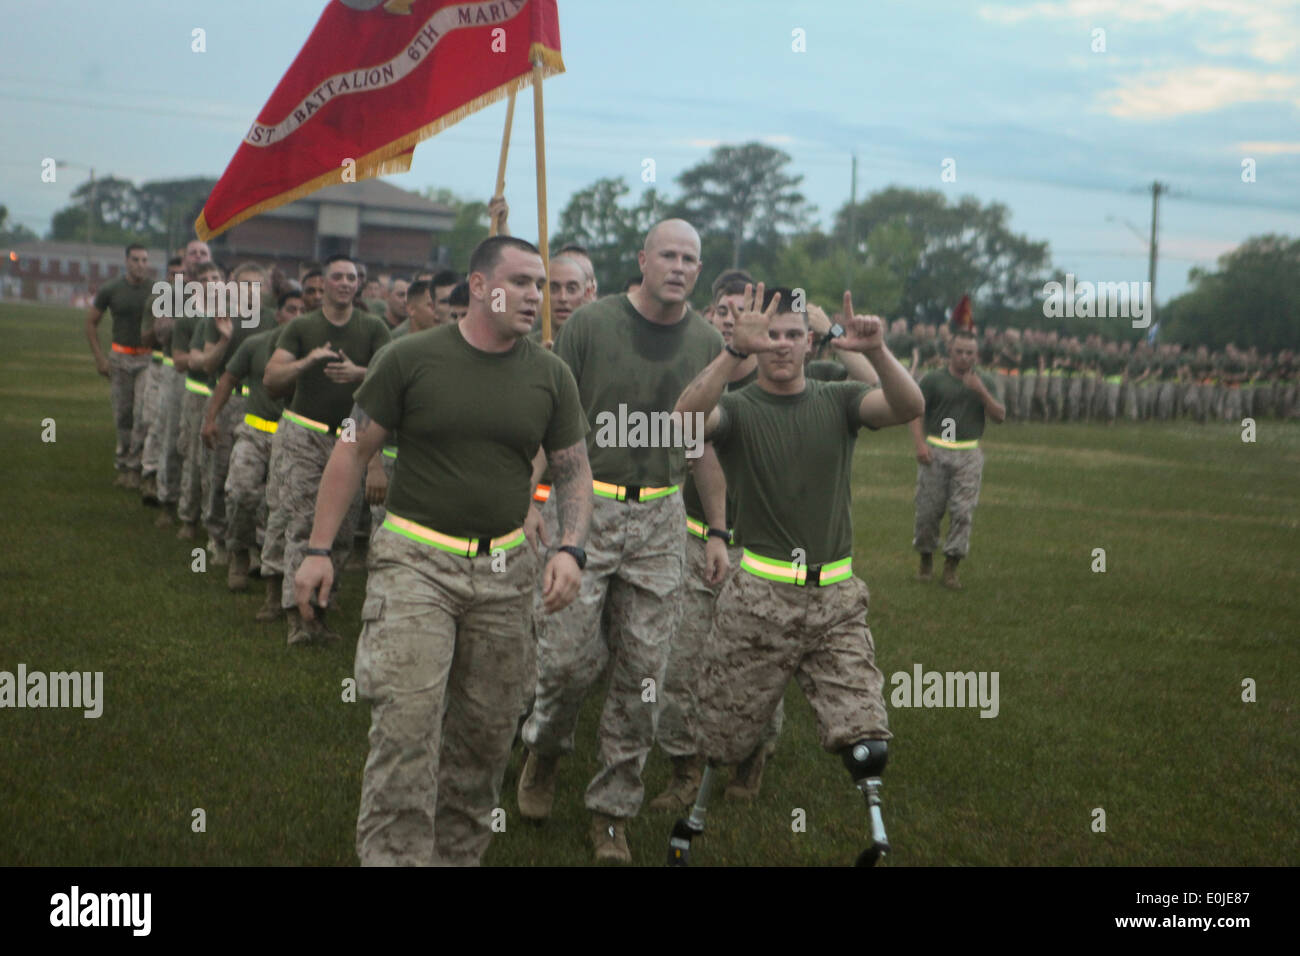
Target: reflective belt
1114,379
788,572
389,452
130,350
959,445
158,356
697,528
243,391
542,493
169,361
466,547
604,489
308,424
198,388
261,424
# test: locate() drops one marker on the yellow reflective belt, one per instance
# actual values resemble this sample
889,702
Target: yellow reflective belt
158,356
389,452
307,423
788,572
465,547
169,361
243,391
697,528
619,492
261,424
973,443
198,388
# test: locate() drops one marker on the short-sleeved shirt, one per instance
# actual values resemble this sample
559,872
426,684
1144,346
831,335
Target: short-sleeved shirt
629,369
125,302
947,397
1112,363
471,423
790,460
248,365
359,338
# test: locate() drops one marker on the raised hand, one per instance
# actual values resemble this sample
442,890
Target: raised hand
224,326
344,370
862,333
750,332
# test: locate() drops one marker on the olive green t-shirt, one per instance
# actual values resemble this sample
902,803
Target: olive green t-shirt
197,337
946,397
790,460
125,303
248,364
471,423
627,369
1112,363
238,334
826,370
691,494
182,331
359,338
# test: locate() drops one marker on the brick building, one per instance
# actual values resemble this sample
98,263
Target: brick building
65,273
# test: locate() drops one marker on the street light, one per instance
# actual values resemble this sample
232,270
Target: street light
90,211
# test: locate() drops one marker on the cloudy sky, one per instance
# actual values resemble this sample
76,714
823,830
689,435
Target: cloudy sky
1022,95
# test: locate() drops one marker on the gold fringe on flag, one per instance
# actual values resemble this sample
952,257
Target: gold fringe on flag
393,157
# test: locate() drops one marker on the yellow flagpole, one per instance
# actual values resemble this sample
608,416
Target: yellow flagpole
539,136
501,163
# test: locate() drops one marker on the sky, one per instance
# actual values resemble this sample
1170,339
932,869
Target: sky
1064,111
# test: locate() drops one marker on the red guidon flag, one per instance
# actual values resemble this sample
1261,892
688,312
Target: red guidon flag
374,78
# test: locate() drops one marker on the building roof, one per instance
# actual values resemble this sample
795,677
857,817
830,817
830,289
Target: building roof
373,194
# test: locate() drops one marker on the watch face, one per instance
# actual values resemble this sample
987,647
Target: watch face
836,331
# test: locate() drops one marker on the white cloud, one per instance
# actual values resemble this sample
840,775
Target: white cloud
1266,148
1199,89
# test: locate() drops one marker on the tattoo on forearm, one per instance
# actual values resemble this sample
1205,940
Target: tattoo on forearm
571,479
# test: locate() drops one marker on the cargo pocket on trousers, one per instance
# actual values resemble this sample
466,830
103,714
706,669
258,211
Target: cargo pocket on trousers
372,615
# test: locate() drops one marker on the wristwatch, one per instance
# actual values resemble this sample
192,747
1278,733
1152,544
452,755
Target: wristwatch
834,332
578,554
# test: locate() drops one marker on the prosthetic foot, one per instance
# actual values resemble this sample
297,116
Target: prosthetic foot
864,761
685,830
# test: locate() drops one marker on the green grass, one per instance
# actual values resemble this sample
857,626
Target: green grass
1119,690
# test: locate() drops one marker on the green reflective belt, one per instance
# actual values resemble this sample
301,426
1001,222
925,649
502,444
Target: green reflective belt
604,489
389,452
697,528
973,443
465,547
169,361
307,423
158,356
243,391
198,388
1113,379
789,572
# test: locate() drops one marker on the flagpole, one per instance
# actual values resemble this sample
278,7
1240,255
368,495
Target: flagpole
539,138
501,163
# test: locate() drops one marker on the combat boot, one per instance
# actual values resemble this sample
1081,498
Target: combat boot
950,573
271,609
537,786
682,788
149,490
120,480
322,632
132,482
237,574
254,563
747,778
188,531
220,558
609,837
164,519
298,633
926,571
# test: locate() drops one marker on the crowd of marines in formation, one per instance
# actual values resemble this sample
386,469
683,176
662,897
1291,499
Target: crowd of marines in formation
517,563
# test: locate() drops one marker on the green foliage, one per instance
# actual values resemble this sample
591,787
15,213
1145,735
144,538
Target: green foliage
1252,299
611,232
159,213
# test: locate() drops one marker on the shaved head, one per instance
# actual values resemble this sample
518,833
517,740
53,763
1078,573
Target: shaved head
671,230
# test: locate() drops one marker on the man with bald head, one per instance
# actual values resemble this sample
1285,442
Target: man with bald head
631,356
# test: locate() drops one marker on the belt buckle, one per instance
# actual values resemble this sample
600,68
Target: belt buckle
632,493
484,547
813,576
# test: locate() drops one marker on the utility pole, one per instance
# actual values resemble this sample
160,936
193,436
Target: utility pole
1156,189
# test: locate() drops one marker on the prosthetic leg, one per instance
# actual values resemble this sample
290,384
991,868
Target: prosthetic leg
865,760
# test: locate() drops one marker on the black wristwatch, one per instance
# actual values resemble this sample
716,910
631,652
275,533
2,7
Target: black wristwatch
578,554
738,354
316,552
834,332
722,533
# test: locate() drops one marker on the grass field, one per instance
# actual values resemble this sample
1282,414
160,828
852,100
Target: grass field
1119,690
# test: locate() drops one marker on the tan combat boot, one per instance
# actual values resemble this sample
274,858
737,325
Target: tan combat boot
121,479
237,573
219,557
298,633
950,573
188,531
682,788
537,786
747,779
149,490
609,837
270,609
322,631
926,571
132,481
